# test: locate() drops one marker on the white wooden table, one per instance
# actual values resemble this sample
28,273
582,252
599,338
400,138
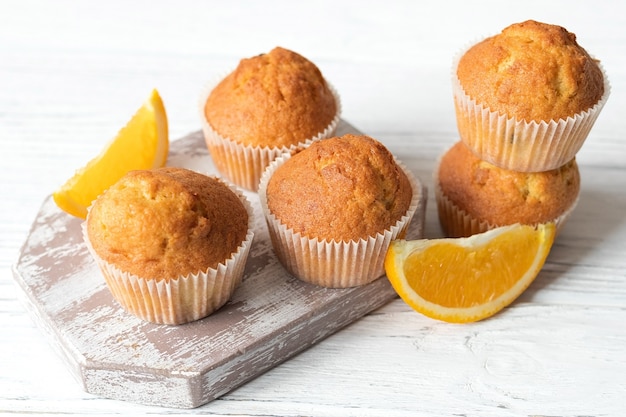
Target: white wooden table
71,73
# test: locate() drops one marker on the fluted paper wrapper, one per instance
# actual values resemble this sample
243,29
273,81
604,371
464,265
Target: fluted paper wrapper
456,222
518,145
180,299
242,164
335,264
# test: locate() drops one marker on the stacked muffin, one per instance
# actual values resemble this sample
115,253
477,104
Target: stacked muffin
525,101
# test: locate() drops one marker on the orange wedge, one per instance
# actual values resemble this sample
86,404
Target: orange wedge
462,280
142,144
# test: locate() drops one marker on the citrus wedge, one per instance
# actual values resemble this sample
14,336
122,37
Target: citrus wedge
468,279
142,144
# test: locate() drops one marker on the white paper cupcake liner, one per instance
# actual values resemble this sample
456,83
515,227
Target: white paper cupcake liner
456,222
180,299
242,164
335,264
516,144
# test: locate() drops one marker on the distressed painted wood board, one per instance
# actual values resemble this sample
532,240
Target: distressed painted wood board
271,317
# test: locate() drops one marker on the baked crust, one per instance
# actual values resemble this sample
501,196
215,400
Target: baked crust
532,71
501,197
276,99
342,188
167,222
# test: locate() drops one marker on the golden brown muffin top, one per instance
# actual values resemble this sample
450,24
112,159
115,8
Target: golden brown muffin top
341,188
167,222
501,196
531,71
275,99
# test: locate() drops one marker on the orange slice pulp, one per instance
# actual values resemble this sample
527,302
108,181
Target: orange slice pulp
142,144
468,279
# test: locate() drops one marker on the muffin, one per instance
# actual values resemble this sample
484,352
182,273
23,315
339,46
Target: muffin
474,196
527,97
171,243
333,208
270,104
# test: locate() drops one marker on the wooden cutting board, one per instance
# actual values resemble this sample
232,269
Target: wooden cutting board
271,317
